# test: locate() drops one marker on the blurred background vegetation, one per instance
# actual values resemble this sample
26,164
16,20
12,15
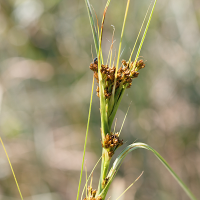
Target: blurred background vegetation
45,85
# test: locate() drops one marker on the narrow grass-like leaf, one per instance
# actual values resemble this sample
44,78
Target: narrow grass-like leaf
87,130
92,24
118,57
139,34
145,32
11,169
100,58
134,146
122,33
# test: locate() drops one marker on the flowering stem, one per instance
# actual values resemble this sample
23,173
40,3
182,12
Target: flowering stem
104,169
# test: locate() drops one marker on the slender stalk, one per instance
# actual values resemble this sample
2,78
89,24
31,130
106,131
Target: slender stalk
88,123
104,169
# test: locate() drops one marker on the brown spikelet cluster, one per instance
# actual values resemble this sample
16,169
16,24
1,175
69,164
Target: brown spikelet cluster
105,181
92,194
125,74
112,142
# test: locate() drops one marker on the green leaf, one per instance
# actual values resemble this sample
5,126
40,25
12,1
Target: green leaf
92,24
145,31
134,146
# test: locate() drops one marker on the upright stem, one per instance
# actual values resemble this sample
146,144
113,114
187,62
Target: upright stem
104,169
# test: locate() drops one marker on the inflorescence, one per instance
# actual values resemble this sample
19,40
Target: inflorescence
112,142
92,194
125,74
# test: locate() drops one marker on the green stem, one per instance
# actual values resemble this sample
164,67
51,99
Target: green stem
104,169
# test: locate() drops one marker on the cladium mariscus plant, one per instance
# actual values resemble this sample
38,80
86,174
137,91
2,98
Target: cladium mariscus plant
113,78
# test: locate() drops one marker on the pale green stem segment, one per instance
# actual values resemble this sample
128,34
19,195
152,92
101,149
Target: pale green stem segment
145,32
11,169
104,169
87,130
134,146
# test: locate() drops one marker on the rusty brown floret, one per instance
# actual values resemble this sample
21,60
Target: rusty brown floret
92,194
112,142
105,181
125,74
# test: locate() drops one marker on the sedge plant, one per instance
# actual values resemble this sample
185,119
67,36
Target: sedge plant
113,77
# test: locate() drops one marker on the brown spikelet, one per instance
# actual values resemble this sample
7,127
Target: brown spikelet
125,74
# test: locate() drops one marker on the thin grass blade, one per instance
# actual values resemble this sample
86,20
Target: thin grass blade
119,52
139,34
11,169
87,130
134,146
145,32
92,24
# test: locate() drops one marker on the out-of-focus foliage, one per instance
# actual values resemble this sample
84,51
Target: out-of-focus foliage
45,84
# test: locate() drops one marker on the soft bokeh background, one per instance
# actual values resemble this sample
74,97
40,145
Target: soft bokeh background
45,85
